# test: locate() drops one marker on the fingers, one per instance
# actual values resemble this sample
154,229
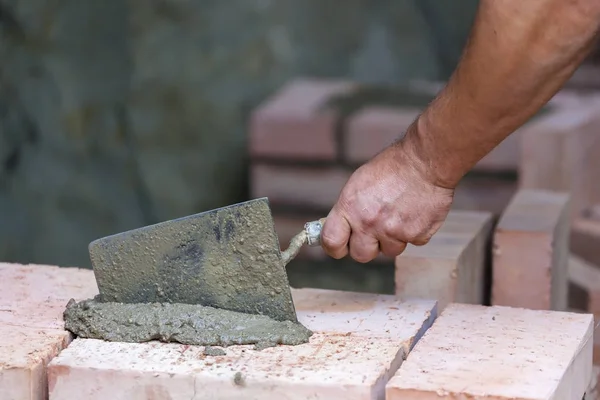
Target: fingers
391,247
335,235
363,247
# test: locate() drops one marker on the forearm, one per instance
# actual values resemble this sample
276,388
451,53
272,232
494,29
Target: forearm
518,56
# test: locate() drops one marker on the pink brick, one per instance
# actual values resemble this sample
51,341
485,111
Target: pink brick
313,187
560,153
36,295
24,355
498,353
531,249
32,302
292,124
360,340
451,267
373,129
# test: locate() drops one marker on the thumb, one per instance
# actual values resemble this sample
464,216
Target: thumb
335,234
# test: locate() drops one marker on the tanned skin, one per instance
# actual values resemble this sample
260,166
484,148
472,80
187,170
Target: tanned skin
519,54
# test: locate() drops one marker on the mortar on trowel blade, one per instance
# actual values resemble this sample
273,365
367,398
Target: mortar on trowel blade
231,288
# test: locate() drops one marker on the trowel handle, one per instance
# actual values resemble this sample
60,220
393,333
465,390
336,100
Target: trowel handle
313,232
311,236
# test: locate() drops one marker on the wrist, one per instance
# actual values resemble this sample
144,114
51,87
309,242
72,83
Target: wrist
429,156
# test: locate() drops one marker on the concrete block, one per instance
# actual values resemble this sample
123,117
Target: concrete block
452,266
531,247
498,353
360,340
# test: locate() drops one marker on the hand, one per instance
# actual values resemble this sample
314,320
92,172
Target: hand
388,202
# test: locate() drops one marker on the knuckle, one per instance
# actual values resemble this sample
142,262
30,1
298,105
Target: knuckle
369,217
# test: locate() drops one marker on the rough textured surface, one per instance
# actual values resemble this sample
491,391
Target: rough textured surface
32,301
360,340
181,323
227,258
499,353
531,249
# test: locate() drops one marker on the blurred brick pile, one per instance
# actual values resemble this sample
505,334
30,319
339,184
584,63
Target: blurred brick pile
307,138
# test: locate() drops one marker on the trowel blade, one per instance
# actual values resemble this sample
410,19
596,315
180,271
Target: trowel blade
226,258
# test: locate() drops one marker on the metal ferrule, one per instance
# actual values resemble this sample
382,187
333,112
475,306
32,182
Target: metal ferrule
313,232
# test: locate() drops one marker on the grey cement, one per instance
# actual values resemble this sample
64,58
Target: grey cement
182,323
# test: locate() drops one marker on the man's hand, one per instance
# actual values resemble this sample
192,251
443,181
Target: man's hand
517,57
387,203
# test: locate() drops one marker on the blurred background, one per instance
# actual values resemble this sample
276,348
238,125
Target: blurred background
119,114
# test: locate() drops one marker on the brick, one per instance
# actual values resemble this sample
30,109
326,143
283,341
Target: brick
373,129
585,240
32,302
36,295
586,279
360,340
452,266
314,188
292,123
531,247
497,353
560,153
24,354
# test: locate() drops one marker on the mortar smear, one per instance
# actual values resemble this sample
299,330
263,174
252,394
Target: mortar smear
190,324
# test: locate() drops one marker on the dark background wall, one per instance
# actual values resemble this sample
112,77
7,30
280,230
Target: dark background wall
117,114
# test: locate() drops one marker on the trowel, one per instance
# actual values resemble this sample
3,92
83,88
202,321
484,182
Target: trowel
227,258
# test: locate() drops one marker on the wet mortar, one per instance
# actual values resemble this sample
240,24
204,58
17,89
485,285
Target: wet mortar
215,279
181,323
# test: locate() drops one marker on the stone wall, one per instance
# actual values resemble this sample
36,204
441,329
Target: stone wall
117,114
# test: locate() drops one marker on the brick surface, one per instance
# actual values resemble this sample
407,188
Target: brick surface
451,267
585,240
531,247
360,340
292,124
32,300
374,128
498,353
313,188
560,153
